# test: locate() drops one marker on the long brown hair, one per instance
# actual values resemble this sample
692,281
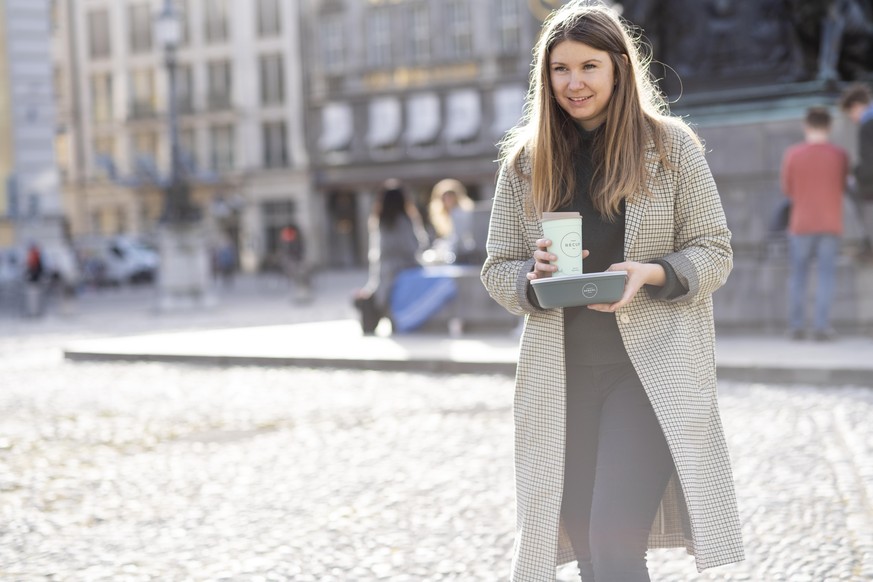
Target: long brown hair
636,112
391,204
439,215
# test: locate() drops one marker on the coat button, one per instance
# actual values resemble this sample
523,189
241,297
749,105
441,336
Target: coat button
625,318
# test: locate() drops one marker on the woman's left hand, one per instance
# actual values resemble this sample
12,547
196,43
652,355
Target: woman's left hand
638,274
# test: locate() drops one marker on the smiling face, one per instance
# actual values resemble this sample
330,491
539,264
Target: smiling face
582,80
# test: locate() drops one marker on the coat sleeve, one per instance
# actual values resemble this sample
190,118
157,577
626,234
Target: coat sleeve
864,169
785,174
510,252
703,257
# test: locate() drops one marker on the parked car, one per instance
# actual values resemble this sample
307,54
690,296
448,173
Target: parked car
117,260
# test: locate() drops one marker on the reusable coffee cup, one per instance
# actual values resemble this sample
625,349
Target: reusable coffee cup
564,229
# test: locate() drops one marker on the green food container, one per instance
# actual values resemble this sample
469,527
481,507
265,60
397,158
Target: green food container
576,290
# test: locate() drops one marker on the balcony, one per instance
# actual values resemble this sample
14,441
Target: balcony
218,102
142,110
185,105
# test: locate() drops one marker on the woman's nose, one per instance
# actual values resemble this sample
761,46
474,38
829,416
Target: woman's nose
576,82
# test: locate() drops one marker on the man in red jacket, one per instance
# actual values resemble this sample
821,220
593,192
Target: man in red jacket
814,177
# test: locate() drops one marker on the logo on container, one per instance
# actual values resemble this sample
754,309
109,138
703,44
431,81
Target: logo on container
589,290
571,244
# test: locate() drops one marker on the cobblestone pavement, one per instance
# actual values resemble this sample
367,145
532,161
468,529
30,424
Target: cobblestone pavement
129,472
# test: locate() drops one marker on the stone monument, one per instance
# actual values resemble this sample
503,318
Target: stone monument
743,74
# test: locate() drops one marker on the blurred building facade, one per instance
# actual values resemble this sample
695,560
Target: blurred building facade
418,90
296,111
30,201
240,110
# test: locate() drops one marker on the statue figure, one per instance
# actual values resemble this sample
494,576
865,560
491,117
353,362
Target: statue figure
716,45
834,37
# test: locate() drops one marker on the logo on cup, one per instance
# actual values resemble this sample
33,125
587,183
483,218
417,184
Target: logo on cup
589,290
571,244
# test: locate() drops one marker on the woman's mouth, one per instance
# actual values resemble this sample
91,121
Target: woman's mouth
578,99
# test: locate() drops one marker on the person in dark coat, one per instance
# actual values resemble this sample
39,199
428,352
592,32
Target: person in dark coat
397,237
857,103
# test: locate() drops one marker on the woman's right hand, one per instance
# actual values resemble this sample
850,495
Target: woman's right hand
543,266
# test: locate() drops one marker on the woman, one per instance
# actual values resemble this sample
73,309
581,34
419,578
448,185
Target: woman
619,445
397,236
451,214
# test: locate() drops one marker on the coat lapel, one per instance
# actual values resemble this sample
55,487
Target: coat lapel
635,210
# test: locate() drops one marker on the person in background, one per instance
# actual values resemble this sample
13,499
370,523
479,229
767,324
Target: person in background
616,410
813,177
857,103
33,273
225,262
397,238
33,264
451,213
293,259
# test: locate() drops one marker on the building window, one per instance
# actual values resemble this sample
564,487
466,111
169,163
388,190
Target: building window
184,95
419,32
220,84
95,222
379,37
221,147
58,91
459,29
508,21
103,162
332,43
139,22
275,144
104,145
55,18
101,97
62,154
508,107
99,45
216,21
145,146
272,80
269,18
143,93
337,127
385,123
464,116
424,122
182,7
120,220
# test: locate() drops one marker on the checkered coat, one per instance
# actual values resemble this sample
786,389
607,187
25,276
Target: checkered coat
671,344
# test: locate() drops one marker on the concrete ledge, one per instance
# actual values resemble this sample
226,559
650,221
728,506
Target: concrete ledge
815,377
416,365
340,344
330,344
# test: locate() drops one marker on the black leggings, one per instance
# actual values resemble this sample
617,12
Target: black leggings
617,465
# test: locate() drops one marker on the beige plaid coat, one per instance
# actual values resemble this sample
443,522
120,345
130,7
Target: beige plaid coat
670,342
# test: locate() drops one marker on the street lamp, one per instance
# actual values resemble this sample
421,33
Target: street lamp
168,33
184,272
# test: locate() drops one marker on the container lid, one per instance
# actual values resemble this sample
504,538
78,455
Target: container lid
581,277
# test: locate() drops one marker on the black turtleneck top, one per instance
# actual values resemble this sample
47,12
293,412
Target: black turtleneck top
592,337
